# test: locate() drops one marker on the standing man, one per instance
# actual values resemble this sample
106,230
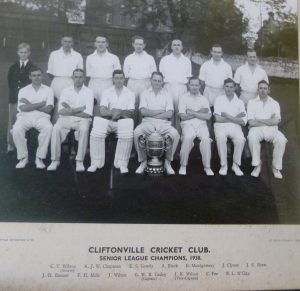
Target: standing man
35,103
264,117
194,111
230,116
213,73
17,77
247,77
116,111
61,65
138,68
177,69
157,108
99,68
75,111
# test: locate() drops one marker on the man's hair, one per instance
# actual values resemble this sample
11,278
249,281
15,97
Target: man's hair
34,69
106,39
118,72
78,70
137,37
158,74
229,80
251,51
193,78
216,45
67,35
263,82
24,45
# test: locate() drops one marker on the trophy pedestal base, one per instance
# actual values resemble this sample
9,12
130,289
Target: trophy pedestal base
154,170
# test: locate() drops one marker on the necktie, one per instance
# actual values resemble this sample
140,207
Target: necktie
22,66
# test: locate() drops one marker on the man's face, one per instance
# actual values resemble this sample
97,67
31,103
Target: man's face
194,86
101,44
263,90
67,42
78,79
229,89
216,53
23,54
138,45
156,82
36,77
176,46
118,80
252,58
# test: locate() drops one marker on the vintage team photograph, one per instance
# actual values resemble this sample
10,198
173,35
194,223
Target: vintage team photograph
149,111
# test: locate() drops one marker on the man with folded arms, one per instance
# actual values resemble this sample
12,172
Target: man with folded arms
156,107
75,112
264,117
230,115
99,68
116,112
194,111
35,102
138,68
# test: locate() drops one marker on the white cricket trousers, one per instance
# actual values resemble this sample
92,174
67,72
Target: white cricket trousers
235,133
98,85
269,134
123,128
58,84
164,128
212,93
59,133
176,91
24,123
247,96
189,133
12,117
137,86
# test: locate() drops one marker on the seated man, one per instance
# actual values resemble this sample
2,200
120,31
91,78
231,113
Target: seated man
116,111
156,107
230,116
264,117
194,111
35,102
75,111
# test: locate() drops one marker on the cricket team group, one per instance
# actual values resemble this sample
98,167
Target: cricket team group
166,99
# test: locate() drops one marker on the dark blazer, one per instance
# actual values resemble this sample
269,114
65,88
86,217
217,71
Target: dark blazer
17,79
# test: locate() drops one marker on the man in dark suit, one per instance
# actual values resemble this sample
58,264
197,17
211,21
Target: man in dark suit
18,77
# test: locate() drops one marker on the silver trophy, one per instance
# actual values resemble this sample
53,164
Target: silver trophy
155,146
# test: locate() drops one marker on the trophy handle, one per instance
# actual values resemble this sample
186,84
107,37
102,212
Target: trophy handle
142,141
168,142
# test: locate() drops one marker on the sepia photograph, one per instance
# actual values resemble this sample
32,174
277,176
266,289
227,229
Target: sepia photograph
135,113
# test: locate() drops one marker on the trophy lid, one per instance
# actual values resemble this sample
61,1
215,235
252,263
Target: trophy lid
155,136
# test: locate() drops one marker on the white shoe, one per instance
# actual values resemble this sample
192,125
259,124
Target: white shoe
140,170
182,171
123,170
53,166
79,166
208,172
236,169
39,163
92,168
223,171
277,174
22,163
169,168
256,171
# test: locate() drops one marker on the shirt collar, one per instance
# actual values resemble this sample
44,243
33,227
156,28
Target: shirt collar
71,53
258,99
212,61
233,99
142,54
103,54
41,87
25,62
